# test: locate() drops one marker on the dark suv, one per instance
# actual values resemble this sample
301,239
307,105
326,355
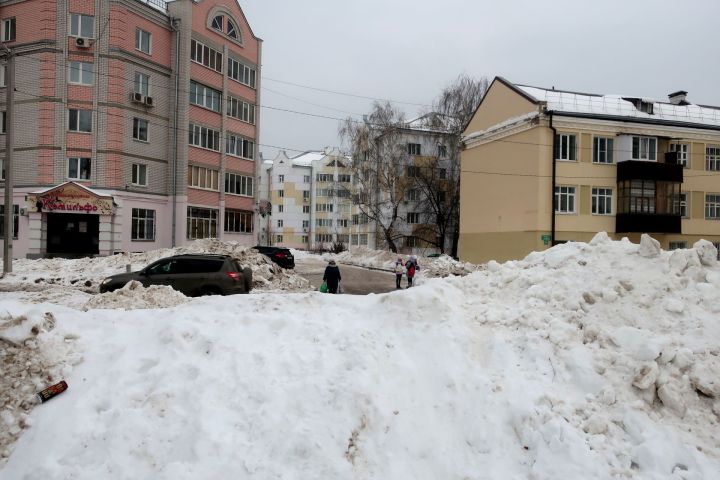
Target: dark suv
192,275
280,255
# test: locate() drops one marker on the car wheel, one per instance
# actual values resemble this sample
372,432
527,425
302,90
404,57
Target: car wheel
207,291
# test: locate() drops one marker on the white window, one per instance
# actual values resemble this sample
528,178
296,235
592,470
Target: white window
281,193
603,150
644,148
323,237
205,96
241,110
142,84
143,40
682,205
281,208
712,207
344,178
205,55
564,199
413,217
202,177
602,201
566,147
204,137
442,151
343,223
78,168
240,147
80,73
306,208
79,120
712,158
363,239
8,29
413,148
281,178
201,223
3,68
241,73
82,25
280,224
238,221
682,150
324,177
306,223
139,174
323,207
677,245
278,239
237,184
143,224
323,222
305,239
306,179
140,129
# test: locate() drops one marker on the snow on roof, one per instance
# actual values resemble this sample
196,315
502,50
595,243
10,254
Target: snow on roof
306,159
432,122
620,105
79,185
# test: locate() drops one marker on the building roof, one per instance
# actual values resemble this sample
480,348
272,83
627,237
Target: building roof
432,122
593,105
305,159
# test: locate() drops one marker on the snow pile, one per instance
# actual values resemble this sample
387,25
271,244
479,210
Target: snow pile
134,296
85,274
442,266
589,361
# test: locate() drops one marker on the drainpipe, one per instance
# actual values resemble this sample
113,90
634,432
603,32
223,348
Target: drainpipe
176,29
552,190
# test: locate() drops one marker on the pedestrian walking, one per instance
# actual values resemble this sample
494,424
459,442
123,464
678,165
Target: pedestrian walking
399,270
412,267
332,277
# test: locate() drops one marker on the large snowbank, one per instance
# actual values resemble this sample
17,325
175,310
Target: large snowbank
589,361
441,266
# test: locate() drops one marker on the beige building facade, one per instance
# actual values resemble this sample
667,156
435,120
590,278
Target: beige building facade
543,166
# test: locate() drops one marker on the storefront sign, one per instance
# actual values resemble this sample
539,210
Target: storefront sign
70,198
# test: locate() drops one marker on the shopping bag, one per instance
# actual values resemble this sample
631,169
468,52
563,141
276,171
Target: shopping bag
323,288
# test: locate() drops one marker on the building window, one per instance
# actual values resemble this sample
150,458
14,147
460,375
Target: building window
79,120
324,192
3,126
305,239
239,147
323,207
565,147
413,217
602,201
204,137
644,148
603,150
682,205
202,177
139,174
241,110
226,26
638,196
442,151
278,239
712,207
8,30
712,158
2,169
306,179
3,69
280,224
323,222
201,223
143,40
363,239
82,25
237,184
205,96
281,208
80,73
143,224
241,73
564,199
140,129
78,168
281,178
142,84
442,173
717,247
205,55
238,221
16,220
306,208
413,171
413,148
324,177
323,237
305,223
281,193
344,178
306,194
682,149
677,245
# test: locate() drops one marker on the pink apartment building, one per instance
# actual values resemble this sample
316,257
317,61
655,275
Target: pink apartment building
135,124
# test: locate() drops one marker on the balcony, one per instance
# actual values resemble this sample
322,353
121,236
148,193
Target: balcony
640,170
648,223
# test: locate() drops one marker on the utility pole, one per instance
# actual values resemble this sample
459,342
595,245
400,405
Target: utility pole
9,142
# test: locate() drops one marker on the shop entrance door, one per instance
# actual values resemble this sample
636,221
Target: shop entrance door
73,234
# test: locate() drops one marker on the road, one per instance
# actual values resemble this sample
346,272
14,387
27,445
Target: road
355,280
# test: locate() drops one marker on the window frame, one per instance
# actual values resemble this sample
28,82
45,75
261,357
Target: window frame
13,29
149,225
206,219
608,152
245,182
412,218
79,169
414,148
239,109
82,73
200,94
16,220
677,245
139,44
200,177
651,152
243,219
712,160
201,53
138,83
712,206
198,133
558,199
137,130
78,120
242,73
572,147
233,142
138,173
595,198
79,25
683,154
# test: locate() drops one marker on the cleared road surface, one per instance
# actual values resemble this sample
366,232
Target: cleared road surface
355,280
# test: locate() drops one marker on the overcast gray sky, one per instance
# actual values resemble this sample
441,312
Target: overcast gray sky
407,50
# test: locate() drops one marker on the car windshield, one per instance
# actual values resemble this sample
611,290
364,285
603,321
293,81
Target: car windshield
160,267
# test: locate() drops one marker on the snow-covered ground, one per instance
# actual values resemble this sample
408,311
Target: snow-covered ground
589,361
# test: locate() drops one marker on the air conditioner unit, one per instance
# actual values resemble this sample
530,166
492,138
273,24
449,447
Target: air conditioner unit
149,101
82,42
306,200
23,211
137,97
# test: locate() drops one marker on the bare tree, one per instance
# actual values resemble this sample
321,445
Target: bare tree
378,167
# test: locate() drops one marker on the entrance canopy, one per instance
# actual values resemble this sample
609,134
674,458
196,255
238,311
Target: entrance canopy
70,197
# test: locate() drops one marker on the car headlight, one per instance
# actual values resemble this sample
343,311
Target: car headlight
107,280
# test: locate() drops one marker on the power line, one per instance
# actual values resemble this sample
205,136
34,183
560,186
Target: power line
309,103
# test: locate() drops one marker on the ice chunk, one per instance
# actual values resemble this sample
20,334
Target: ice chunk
600,238
705,377
646,375
649,247
707,252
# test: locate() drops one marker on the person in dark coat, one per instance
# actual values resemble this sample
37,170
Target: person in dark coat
332,277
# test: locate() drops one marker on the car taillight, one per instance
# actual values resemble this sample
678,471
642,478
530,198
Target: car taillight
234,275
280,255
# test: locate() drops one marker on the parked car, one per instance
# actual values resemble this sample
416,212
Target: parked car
193,275
280,255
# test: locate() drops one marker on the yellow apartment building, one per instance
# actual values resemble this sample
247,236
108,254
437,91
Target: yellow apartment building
544,166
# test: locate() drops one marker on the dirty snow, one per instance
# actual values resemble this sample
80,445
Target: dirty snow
567,364
134,296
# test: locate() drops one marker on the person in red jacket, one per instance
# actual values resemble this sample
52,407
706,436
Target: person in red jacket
412,267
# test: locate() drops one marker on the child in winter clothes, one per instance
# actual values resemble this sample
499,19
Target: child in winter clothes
412,267
399,270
